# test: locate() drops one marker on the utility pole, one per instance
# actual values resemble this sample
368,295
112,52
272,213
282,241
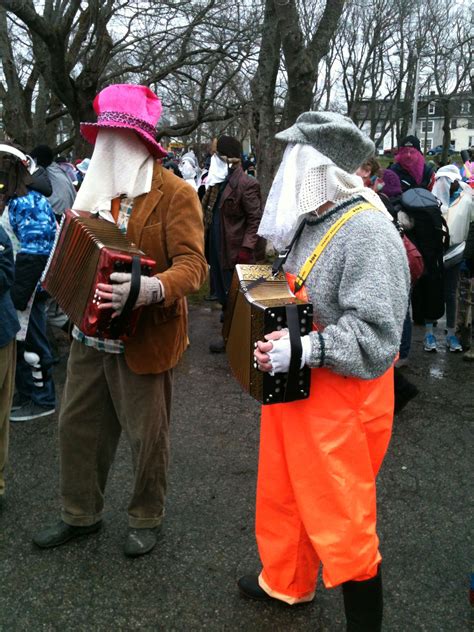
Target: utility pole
425,148
417,92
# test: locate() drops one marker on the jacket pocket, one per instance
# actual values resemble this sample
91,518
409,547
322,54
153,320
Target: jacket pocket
163,314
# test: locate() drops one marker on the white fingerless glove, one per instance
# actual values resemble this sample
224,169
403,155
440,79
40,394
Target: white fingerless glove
280,354
151,290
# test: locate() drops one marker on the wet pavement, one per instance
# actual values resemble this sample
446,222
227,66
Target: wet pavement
188,582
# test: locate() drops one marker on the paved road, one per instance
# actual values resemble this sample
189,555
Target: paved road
188,582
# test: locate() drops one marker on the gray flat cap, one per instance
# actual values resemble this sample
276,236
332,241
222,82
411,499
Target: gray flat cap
334,135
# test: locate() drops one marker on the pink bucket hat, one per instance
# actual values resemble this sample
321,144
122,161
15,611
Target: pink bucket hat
127,106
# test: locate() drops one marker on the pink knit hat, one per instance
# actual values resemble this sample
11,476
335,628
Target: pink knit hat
127,106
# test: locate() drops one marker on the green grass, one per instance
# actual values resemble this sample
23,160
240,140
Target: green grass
198,297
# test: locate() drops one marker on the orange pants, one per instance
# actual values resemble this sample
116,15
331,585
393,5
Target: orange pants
316,484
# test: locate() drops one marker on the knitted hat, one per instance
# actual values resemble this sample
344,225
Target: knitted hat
334,135
391,183
229,146
43,154
411,141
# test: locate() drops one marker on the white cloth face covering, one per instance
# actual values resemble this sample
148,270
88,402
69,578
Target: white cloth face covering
120,165
305,180
441,190
218,171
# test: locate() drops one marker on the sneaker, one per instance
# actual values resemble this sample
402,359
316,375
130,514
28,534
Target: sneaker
30,411
19,400
429,343
453,344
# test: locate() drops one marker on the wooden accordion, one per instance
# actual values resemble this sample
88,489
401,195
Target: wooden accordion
258,304
87,250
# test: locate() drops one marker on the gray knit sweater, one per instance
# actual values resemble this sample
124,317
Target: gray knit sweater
359,289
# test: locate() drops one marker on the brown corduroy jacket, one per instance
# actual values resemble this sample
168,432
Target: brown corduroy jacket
167,225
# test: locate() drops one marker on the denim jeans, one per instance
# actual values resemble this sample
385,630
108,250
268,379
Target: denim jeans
35,381
451,279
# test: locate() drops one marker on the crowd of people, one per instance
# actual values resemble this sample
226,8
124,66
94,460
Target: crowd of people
401,250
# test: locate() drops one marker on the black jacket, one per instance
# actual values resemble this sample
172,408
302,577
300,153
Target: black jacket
9,324
408,182
41,182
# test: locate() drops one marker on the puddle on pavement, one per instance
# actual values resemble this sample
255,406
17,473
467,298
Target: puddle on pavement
436,372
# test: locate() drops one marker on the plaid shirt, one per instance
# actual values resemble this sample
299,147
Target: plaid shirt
105,344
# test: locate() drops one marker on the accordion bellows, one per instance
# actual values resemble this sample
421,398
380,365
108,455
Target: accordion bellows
87,250
258,304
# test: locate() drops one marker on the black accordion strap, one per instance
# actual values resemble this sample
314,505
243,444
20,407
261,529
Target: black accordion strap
283,254
134,287
118,324
292,381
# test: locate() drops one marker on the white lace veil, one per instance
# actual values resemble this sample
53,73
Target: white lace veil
305,180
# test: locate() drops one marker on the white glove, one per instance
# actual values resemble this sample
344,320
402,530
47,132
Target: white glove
280,354
151,291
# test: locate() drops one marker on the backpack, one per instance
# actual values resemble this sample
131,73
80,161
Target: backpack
430,232
430,235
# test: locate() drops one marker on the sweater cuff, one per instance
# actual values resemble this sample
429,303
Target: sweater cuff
315,353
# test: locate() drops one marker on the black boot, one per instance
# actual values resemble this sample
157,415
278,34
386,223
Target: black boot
363,604
404,390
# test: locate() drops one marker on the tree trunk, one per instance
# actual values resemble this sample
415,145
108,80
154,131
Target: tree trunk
446,105
268,153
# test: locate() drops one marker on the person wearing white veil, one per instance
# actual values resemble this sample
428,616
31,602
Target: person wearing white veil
319,456
116,385
457,206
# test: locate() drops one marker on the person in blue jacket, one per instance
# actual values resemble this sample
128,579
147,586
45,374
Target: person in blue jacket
33,228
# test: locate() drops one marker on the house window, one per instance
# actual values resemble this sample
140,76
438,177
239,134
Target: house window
424,129
454,123
465,107
431,108
429,143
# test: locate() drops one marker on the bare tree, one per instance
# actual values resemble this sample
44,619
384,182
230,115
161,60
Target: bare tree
80,47
451,52
301,43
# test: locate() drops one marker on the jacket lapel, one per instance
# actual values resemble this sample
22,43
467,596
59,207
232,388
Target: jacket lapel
144,205
231,185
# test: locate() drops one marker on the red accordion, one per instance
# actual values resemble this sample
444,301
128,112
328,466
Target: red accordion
87,250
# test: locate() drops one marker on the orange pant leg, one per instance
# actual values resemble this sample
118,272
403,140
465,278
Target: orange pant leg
326,450
291,564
